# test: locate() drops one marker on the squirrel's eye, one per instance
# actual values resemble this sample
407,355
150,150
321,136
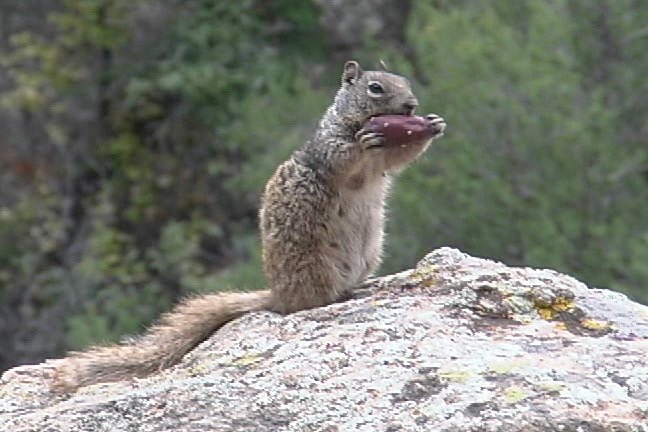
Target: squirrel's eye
376,88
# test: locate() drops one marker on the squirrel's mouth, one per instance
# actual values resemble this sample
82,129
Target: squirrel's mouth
406,111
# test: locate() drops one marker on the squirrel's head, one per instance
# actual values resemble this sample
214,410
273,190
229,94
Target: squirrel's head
364,94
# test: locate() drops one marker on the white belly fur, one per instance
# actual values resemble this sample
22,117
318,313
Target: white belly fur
359,229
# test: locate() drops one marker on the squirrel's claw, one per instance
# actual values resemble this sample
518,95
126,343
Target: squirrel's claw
438,123
369,139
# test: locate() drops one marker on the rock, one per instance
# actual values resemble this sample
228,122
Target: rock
456,344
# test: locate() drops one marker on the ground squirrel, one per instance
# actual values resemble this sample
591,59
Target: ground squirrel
321,221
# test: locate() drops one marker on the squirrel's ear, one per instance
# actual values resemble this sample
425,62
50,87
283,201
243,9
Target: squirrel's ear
352,71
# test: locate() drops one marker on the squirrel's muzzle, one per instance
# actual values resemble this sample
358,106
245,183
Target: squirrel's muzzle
410,105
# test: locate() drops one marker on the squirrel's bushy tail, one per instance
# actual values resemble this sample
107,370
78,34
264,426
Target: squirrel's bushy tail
163,345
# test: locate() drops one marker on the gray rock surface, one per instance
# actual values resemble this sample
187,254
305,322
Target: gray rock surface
456,344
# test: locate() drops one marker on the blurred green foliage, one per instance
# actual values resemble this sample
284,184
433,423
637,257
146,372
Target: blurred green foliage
151,148
539,165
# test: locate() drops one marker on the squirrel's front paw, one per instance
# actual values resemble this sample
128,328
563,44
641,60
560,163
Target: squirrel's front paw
437,123
369,139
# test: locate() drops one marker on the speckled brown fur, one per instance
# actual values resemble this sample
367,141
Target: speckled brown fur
321,220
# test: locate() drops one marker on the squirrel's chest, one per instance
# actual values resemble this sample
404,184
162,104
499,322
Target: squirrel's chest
358,226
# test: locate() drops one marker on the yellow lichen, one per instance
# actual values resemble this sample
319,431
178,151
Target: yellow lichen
546,313
508,366
455,375
198,369
561,326
549,311
515,394
552,386
562,304
593,324
423,272
379,302
247,360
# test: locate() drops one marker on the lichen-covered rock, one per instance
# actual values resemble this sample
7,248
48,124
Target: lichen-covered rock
456,344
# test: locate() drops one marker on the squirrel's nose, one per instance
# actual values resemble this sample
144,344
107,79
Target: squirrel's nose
410,105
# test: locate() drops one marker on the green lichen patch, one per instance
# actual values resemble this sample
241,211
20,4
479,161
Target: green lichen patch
456,375
247,359
509,366
515,394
